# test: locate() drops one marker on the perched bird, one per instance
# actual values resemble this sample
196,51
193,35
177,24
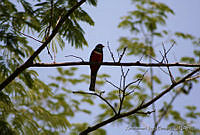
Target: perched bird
96,56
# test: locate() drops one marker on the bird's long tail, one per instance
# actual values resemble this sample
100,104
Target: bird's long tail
92,81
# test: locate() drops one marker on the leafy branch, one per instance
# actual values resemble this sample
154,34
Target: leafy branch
29,62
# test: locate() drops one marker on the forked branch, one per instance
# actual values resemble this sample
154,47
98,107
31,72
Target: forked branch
98,95
140,107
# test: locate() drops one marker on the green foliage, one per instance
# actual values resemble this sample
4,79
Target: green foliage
138,48
71,30
188,59
144,21
146,24
181,124
27,104
192,112
184,36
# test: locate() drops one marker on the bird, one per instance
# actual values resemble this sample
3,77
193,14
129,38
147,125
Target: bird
96,56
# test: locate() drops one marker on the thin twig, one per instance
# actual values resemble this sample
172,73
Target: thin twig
153,58
126,73
48,29
76,57
146,113
122,82
49,52
110,52
139,81
98,95
112,84
168,50
132,83
120,58
141,58
165,111
15,30
164,71
192,78
166,60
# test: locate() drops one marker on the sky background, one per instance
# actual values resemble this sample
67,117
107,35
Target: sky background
107,17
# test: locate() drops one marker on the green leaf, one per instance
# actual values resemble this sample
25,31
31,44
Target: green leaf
197,53
99,131
188,59
176,115
184,36
156,79
88,100
92,2
191,108
86,111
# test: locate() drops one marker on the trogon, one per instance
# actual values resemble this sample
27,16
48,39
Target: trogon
96,56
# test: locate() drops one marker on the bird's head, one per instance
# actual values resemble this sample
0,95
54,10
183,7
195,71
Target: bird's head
99,46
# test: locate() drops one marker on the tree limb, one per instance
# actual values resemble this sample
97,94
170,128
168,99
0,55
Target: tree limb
140,107
165,112
139,64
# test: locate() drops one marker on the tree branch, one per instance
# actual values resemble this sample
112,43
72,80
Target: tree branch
140,107
165,112
29,62
166,61
111,54
139,64
26,35
76,57
113,85
120,57
98,95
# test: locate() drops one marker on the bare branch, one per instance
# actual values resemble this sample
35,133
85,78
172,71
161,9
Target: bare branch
47,31
167,51
140,107
15,30
76,57
192,78
110,52
138,80
166,60
116,64
132,83
98,95
122,71
141,58
123,84
126,73
165,111
146,113
120,58
113,84
164,71
153,58
49,53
